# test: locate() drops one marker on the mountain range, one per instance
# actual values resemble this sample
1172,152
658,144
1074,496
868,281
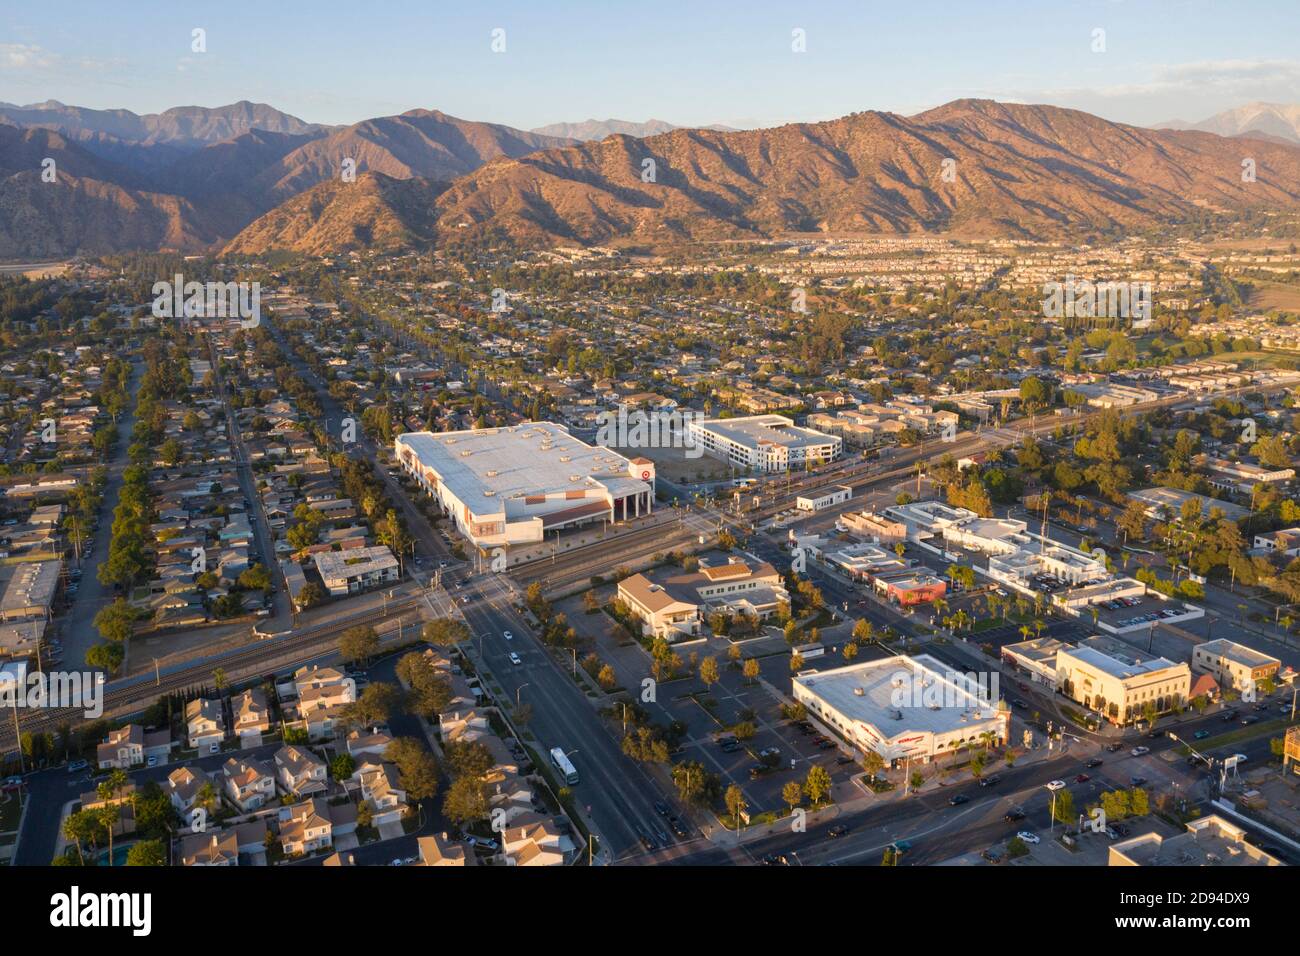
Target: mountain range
599,129
205,180
1270,121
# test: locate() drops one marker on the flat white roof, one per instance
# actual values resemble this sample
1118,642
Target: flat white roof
766,429
872,692
484,467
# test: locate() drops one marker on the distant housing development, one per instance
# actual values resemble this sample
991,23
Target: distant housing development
764,443
514,485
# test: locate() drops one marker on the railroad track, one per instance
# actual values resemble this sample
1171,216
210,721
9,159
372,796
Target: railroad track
279,652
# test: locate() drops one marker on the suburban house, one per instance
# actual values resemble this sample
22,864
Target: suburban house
252,715
205,725
299,772
306,827
438,850
381,792
538,841
249,784
123,749
184,785
218,848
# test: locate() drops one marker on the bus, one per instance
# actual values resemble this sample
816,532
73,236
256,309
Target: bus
564,766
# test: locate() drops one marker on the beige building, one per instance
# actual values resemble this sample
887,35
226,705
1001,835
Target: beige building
874,527
673,605
1209,841
1116,682
1233,665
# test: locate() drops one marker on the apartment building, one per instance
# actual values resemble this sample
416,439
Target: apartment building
764,443
673,604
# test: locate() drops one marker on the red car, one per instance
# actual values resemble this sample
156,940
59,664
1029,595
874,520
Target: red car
1082,778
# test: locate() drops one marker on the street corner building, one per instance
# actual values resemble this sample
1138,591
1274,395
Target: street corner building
904,708
515,485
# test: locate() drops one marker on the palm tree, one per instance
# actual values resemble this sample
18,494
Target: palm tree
1025,631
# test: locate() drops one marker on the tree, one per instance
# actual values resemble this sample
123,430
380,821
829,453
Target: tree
792,794
342,766
709,672
358,644
735,802
417,771
750,669
817,784
466,801
444,632
850,651
106,657
114,621
873,763
430,689
470,757
376,705
796,663
147,853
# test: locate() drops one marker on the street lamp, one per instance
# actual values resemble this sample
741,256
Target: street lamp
517,692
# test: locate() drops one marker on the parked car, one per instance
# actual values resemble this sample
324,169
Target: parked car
1027,837
1139,751
990,781
507,635
1136,781
1082,778
1201,734
515,658
77,765
662,808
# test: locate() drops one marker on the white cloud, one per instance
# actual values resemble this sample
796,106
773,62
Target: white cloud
20,56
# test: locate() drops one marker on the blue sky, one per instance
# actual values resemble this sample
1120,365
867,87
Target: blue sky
696,62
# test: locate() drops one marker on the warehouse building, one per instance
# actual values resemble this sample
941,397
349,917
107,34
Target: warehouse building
516,485
764,443
905,708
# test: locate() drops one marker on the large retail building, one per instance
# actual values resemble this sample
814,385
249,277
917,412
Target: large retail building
515,485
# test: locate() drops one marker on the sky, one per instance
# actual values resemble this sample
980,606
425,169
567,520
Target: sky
690,63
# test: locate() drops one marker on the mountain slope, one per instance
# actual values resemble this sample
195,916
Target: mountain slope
375,212
423,143
1019,170
594,129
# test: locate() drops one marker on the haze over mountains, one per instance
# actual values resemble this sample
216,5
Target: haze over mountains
1279,121
251,179
598,129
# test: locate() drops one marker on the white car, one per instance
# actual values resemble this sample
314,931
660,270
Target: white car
396,863
1139,751
514,658
1056,785
1027,837
507,635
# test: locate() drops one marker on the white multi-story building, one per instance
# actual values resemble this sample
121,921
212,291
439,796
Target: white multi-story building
765,443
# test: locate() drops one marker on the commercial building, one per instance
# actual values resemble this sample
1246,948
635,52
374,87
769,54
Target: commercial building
1209,841
1117,682
1233,665
904,708
825,498
1239,476
515,485
764,443
1162,504
673,604
874,527
27,590
910,587
354,570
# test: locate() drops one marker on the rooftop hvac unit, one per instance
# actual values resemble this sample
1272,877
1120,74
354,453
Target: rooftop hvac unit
896,715
564,458
575,477
488,493
492,473
859,692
